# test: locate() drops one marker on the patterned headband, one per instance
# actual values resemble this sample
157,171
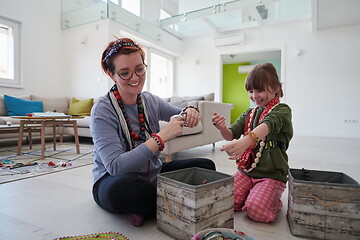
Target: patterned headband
116,47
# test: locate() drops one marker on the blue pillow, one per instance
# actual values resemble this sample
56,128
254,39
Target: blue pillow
20,107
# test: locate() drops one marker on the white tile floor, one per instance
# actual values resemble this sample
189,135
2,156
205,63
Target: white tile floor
61,204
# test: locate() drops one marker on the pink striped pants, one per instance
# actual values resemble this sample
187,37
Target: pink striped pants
259,197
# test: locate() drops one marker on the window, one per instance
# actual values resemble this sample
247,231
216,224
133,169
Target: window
161,75
132,6
9,53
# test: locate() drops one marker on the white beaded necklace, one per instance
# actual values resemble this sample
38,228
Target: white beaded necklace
258,155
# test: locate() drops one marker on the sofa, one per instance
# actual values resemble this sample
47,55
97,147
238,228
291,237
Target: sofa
51,104
204,133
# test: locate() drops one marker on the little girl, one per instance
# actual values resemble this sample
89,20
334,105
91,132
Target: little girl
260,153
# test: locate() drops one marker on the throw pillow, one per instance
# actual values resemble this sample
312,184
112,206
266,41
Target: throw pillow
53,104
184,102
80,107
20,107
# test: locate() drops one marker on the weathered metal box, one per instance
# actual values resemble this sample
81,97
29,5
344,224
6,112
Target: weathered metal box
323,205
194,199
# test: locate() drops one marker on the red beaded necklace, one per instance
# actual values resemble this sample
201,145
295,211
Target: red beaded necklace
251,115
140,106
247,159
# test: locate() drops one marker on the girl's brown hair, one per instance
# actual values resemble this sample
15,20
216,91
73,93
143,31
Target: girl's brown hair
121,46
264,76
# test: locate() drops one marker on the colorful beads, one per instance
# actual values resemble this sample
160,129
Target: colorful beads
245,160
141,116
159,141
254,137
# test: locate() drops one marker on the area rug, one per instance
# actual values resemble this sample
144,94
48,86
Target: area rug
109,235
29,163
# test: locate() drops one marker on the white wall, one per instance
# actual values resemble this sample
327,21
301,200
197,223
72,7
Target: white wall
42,47
321,85
171,7
83,60
66,62
83,46
151,10
198,68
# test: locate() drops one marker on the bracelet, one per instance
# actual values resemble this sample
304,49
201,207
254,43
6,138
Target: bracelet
184,109
254,137
159,141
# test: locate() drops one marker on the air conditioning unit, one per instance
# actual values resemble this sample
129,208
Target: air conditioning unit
245,68
229,40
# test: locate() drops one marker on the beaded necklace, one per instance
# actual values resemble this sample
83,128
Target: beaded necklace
248,158
132,136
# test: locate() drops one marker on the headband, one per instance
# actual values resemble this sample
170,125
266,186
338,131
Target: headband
116,47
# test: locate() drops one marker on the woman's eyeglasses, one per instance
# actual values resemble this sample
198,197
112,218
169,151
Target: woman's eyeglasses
139,71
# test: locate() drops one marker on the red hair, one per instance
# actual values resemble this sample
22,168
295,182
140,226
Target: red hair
121,46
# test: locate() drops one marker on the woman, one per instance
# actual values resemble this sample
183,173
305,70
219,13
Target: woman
127,137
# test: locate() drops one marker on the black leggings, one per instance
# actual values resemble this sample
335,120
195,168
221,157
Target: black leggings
128,193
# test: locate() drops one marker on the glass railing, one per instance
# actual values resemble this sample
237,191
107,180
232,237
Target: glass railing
219,18
75,13
236,15
134,22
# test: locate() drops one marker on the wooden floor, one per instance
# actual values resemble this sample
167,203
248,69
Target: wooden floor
61,204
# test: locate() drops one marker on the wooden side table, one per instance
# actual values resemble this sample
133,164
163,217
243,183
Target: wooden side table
45,122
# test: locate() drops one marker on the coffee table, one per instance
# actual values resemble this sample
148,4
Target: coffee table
14,128
43,122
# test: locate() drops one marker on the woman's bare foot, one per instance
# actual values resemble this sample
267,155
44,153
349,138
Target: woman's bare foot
136,220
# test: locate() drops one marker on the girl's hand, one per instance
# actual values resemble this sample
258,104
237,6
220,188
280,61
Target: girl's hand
237,147
218,121
172,129
191,117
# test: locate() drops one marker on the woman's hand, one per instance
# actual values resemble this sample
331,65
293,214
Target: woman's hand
172,129
237,147
192,117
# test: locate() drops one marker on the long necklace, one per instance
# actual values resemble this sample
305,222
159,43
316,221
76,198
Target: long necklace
250,119
133,134
248,158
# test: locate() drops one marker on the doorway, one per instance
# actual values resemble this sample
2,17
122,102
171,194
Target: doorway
235,68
